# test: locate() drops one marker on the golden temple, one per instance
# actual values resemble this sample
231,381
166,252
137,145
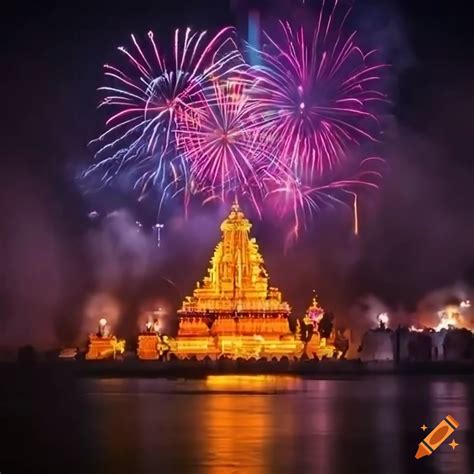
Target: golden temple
234,311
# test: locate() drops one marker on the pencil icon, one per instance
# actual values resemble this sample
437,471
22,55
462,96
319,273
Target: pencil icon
436,437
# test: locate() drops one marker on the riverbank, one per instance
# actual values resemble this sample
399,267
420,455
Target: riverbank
197,369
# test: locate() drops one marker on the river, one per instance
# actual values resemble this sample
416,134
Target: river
240,424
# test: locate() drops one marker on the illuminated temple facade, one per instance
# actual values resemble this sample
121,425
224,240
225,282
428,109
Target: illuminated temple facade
233,311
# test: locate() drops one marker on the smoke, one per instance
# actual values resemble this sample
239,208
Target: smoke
97,306
134,278
126,267
381,23
455,297
452,296
33,261
365,311
121,251
60,271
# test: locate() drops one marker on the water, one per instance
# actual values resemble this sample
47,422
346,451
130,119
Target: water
238,424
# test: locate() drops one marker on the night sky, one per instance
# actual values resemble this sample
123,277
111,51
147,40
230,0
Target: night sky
416,234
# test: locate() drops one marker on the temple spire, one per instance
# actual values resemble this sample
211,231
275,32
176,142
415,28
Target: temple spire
235,205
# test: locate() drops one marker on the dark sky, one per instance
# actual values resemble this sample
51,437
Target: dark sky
416,234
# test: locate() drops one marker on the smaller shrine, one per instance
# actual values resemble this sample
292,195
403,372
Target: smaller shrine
317,331
103,345
153,346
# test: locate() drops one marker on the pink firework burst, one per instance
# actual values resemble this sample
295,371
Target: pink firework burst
288,196
317,87
223,141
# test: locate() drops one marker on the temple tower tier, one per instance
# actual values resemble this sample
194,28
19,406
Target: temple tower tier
233,310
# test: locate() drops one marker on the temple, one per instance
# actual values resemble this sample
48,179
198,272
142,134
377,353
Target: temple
316,343
234,311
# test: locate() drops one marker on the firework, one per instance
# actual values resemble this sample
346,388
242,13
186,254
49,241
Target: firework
298,200
317,88
285,131
222,139
147,99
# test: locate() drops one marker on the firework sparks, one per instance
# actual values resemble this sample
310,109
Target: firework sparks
290,196
356,216
201,121
223,143
147,99
317,88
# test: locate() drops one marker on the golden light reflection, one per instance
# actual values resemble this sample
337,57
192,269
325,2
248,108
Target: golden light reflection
245,420
236,436
248,383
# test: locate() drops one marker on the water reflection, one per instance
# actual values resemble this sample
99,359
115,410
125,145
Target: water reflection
253,425
449,396
235,434
264,424
386,419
